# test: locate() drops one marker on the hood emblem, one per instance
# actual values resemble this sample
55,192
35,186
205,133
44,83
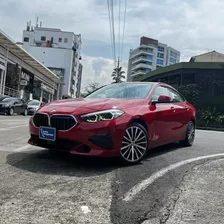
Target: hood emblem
53,111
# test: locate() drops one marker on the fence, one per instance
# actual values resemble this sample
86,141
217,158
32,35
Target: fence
11,92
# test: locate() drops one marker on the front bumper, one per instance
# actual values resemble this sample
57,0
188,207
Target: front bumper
4,110
92,139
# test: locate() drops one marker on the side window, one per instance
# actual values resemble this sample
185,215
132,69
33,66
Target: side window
176,97
160,90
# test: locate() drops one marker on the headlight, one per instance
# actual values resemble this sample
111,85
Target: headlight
6,105
105,115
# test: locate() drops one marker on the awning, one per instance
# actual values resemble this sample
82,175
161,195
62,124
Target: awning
26,57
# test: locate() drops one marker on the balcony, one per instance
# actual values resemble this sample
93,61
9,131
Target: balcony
143,59
138,72
141,65
140,52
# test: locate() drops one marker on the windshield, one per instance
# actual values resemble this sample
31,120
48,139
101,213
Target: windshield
8,99
123,90
34,103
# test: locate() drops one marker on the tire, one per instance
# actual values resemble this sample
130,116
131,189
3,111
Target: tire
11,112
190,135
134,144
25,112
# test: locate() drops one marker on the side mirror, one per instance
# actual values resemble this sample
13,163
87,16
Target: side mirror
162,99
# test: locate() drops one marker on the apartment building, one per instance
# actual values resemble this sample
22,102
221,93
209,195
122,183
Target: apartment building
149,56
59,51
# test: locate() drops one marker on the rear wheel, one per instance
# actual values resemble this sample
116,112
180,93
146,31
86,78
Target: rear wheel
190,135
11,111
134,144
25,112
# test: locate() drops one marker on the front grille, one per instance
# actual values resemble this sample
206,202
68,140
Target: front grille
62,122
41,120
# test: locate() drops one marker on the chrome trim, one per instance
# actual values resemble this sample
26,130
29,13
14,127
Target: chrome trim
64,115
49,120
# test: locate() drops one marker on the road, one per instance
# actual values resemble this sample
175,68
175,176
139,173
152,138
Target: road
172,185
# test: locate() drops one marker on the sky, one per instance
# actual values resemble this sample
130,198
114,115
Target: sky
190,26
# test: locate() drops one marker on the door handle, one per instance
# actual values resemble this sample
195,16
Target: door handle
173,109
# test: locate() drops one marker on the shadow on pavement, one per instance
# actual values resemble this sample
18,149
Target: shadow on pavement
56,163
47,162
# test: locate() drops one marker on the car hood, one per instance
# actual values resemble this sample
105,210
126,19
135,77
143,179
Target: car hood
87,105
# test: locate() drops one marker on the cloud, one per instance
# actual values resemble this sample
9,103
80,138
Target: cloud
191,26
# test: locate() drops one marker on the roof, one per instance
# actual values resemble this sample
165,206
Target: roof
182,65
192,59
26,57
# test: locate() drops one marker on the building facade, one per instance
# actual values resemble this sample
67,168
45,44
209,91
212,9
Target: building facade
149,56
21,75
58,50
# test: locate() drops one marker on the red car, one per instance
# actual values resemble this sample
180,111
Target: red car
124,120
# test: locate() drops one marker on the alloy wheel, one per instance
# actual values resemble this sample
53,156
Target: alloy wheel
25,112
11,111
191,132
134,144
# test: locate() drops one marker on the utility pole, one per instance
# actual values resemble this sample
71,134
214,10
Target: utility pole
118,66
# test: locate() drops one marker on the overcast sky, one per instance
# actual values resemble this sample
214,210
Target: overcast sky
190,26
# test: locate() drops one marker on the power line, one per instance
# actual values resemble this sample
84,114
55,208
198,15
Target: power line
122,43
113,33
119,32
111,38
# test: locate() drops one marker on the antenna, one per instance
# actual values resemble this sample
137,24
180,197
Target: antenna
37,22
41,24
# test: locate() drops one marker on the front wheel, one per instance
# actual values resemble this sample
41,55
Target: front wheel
134,144
190,135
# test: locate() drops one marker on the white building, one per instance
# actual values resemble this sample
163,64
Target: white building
150,55
59,51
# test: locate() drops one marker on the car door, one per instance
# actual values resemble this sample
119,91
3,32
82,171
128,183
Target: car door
162,122
183,114
16,106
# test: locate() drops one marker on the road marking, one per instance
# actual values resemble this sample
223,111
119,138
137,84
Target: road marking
209,131
14,127
24,147
147,182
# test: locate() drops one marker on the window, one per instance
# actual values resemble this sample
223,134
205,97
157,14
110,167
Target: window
148,70
59,39
66,40
160,90
160,55
149,57
173,54
26,39
159,66
43,38
160,48
159,61
122,90
173,60
176,97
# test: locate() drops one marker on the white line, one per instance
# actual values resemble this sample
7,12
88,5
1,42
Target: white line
14,127
145,183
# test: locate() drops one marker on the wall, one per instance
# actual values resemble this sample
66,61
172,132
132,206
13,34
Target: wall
57,58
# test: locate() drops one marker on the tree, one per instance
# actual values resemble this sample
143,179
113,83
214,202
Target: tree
90,88
117,74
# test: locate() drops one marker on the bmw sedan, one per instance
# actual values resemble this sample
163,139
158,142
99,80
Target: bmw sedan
121,120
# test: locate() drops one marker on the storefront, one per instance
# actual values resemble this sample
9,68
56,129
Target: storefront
2,70
47,93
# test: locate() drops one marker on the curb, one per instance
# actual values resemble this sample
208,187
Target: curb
210,128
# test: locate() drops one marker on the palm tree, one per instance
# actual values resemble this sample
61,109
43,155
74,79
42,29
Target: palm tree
117,75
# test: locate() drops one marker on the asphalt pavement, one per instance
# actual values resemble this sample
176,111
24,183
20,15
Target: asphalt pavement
172,185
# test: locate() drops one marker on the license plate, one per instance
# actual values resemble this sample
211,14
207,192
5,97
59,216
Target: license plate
47,133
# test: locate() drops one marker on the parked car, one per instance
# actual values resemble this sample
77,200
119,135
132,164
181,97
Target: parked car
33,106
11,105
124,119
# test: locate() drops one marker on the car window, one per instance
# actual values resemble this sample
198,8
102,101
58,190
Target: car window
176,97
160,90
